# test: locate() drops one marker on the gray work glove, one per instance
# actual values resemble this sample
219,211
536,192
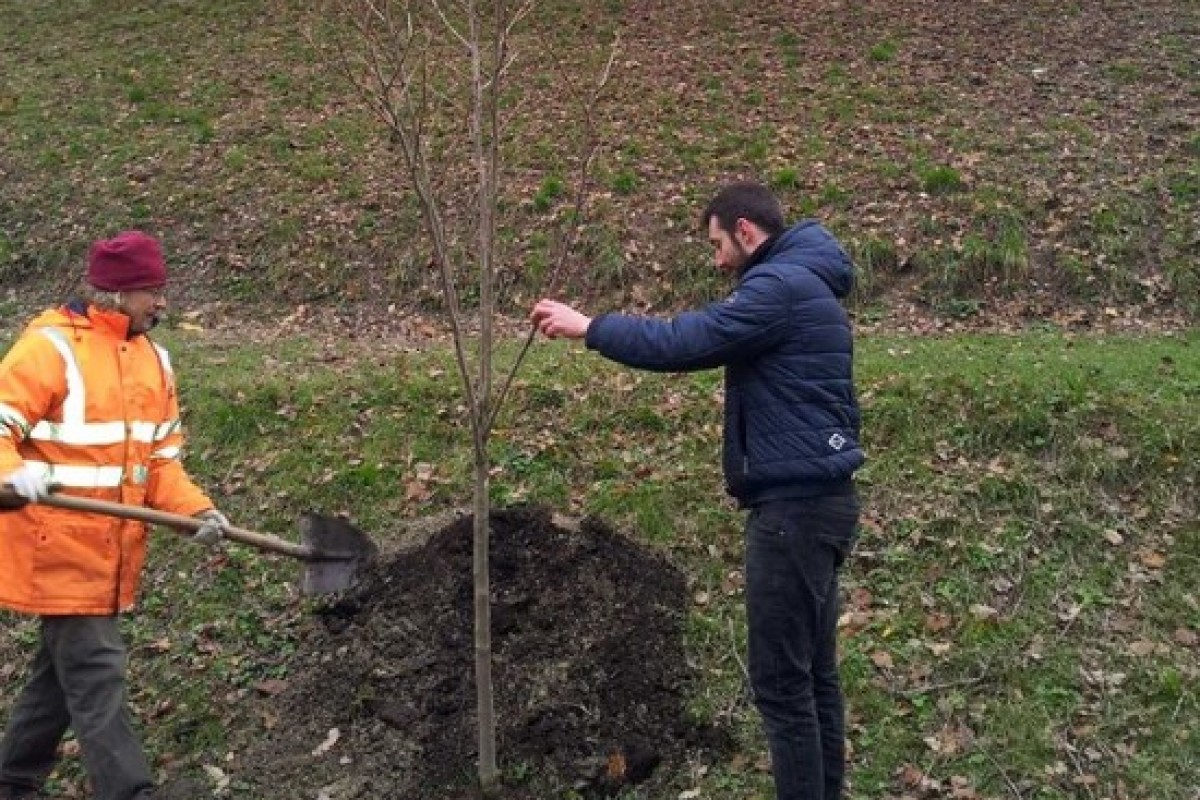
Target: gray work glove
213,529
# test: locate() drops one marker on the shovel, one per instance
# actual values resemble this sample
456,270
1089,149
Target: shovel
332,548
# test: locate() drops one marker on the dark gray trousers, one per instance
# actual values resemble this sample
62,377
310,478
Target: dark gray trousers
77,681
794,550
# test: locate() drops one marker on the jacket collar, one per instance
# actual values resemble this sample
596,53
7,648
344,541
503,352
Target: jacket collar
113,323
760,254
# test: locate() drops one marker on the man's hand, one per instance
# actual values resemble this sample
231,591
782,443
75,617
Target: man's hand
558,320
28,485
213,529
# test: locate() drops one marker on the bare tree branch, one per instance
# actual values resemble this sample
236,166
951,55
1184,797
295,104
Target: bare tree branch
437,7
583,187
434,73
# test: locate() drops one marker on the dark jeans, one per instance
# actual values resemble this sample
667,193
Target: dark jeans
794,549
77,681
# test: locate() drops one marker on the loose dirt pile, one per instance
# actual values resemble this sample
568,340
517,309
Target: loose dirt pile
589,669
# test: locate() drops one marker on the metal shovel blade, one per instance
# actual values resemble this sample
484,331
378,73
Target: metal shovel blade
339,550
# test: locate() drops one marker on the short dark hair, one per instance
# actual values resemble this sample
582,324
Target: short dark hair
746,200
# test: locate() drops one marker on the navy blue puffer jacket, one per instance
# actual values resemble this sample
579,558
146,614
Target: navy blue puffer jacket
791,415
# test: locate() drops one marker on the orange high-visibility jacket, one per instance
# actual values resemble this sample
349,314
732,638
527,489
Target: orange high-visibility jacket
98,413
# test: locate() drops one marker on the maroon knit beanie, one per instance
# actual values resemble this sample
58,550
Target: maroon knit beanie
130,260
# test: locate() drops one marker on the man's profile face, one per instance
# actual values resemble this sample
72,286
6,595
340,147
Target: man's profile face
729,253
144,307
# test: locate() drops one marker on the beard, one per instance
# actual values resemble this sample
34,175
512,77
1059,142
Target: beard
147,324
741,257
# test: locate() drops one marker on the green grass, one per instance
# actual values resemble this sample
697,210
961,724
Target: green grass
1016,613
884,51
253,159
1029,556
625,182
550,190
939,179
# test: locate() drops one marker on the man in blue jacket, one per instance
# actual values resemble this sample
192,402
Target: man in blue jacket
791,446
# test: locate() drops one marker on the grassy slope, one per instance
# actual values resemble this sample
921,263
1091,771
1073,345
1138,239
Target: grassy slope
1021,616
961,151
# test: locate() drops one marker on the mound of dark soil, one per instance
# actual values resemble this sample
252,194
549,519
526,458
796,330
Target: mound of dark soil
589,670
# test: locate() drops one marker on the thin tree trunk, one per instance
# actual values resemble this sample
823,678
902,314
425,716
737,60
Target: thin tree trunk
488,773
386,58
486,156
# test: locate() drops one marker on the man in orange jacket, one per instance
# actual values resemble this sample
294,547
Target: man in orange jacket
87,405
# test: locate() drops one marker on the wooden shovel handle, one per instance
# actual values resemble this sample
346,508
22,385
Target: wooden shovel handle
262,541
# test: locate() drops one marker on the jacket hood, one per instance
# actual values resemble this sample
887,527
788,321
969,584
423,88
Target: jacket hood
112,322
810,245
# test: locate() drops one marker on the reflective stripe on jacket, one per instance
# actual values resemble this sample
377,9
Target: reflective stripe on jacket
97,412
